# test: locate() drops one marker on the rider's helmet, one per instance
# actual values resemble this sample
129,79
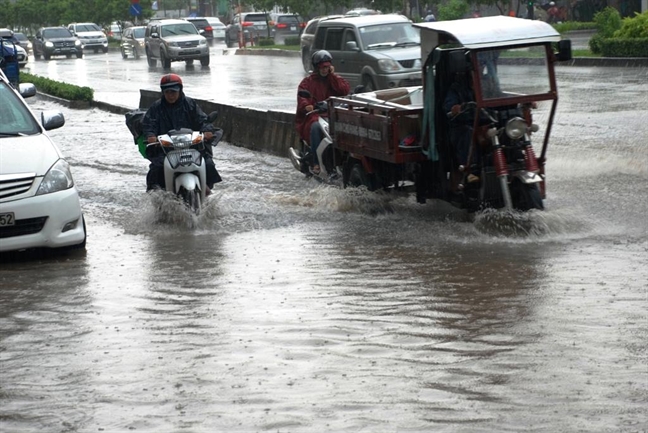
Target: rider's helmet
321,56
171,82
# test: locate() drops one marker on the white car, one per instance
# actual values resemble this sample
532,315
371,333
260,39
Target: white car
39,202
218,28
90,35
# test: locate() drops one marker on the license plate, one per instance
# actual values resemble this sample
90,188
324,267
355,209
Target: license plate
7,219
293,28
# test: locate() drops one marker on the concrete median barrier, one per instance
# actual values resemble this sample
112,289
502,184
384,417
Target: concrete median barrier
266,131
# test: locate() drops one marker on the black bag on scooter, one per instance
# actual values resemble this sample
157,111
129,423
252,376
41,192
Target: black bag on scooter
134,124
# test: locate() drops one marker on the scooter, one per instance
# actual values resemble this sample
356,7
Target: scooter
301,159
185,171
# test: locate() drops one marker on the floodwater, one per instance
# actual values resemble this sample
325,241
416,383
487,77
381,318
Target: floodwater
290,306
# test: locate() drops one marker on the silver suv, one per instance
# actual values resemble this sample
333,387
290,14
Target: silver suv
253,25
90,35
174,40
377,51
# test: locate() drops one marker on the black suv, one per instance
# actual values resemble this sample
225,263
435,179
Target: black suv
203,27
56,41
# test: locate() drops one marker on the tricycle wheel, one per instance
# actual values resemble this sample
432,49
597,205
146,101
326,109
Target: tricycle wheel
526,196
357,176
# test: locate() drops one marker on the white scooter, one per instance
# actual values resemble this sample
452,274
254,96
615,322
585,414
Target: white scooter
185,172
302,159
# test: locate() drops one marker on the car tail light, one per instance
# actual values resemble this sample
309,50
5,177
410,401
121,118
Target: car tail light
247,24
209,29
302,25
282,26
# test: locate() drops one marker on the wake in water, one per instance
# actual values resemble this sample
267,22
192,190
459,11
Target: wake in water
531,224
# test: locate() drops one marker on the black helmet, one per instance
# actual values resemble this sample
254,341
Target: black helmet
321,56
171,81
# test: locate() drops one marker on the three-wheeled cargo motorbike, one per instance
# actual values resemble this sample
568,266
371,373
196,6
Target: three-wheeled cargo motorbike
410,139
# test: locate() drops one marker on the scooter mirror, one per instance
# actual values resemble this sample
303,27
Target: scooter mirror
359,89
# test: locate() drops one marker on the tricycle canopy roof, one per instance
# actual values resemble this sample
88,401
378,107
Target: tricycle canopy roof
497,31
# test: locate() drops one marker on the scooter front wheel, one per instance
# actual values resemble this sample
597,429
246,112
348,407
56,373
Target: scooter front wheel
191,199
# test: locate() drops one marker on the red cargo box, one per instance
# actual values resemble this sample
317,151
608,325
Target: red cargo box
376,130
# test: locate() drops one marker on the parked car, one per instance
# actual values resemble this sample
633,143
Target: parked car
132,42
90,35
254,25
24,42
377,51
56,41
39,201
21,54
218,28
115,32
203,27
12,48
308,36
174,40
285,25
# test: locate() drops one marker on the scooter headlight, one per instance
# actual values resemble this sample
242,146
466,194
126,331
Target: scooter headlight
516,128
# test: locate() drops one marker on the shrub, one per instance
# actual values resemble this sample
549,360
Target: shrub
453,10
292,40
635,27
264,42
607,22
630,47
58,89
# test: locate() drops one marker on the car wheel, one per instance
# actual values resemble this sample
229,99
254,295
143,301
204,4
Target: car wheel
306,61
104,49
123,53
79,55
68,56
368,83
47,56
166,63
37,56
151,61
136,53
204,61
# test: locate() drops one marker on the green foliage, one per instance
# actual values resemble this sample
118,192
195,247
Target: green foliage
453,10
265,42
635,27
617,47
292,40
607,22
57,88
569,26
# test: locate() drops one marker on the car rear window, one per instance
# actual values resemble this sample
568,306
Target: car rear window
288,19
255,17
201,24
139,33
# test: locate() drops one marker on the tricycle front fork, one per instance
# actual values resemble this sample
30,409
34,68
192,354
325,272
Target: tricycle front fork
501,171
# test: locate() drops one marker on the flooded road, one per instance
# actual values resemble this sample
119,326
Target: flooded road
297,307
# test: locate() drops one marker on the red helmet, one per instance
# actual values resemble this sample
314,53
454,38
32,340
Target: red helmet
171,81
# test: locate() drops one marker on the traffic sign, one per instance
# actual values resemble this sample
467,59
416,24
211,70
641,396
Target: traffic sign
135,9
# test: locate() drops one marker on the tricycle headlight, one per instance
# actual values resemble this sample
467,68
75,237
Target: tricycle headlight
389,65
58,178
516,128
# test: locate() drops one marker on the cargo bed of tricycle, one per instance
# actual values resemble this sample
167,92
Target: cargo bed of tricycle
377,129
